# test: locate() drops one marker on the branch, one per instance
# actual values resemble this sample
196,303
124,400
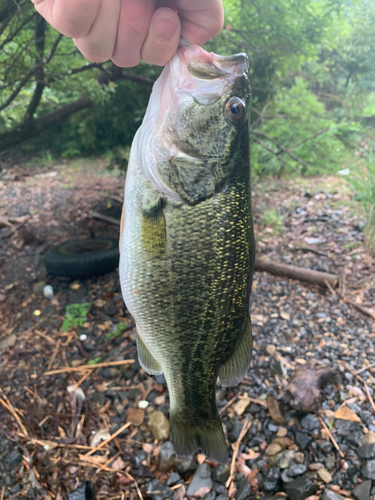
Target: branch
15,32
40,38
18,89
260,114
281,148
281,160
34,127
298,144
53,49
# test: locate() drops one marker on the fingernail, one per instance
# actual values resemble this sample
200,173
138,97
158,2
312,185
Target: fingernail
164,28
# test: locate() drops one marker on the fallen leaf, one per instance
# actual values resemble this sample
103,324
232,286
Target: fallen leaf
241,405
346,413
275,410
135,416
118,464
147,448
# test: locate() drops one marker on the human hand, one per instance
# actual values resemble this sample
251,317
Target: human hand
128,31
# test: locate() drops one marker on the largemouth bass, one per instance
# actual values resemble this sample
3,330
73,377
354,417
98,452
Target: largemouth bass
187,250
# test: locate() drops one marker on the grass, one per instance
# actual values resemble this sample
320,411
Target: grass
362,181
119,330
273,219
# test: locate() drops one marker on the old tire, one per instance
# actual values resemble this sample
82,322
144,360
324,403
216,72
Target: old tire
83,258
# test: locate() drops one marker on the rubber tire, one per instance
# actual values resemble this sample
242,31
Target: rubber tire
83,258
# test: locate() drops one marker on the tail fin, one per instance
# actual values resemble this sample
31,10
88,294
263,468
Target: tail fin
207,435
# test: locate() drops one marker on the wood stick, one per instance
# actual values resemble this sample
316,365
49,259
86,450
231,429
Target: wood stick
331,437
54,354
69,369
8,405
44,336
355,374
297,273
109,439
106,218
361,370
236,448
231,401
82,379
136,485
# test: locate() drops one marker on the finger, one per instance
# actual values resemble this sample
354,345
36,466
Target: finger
72,18
163,37
200,20
132,31
99,43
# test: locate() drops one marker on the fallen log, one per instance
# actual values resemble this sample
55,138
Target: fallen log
297,273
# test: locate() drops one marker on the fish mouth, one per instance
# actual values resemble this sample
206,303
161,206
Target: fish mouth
219,66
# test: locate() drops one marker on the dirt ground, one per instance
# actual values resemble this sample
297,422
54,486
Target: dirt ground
50,430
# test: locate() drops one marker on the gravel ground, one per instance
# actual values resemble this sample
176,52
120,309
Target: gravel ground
301,425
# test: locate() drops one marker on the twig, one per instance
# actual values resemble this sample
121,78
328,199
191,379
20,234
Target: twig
8,405
2,493
106,218
82,379
136,485
43,335
364,310
310,249
331,437
109,439
54,354
54,444
330,288
361,370
230,402
371,401
236,448
69,369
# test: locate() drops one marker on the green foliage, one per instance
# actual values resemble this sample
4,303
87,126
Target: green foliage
119,330
362,180
75,316
300,123
273,219
94,361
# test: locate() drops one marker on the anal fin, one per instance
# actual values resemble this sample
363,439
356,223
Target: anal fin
146,359
234,370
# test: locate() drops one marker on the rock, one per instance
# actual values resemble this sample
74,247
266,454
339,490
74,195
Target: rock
330,462
241,405
368,438
366,451
160,400
366,417
38,287
343,427
162,489
362,492
185,465
82,492
354,438
325,476
285,458
159,425
299,458
368,469
13,458
223,496
135,416
221,473
325,446
296,469
270,349
275,410
316,466
310,423
174,478
201,482
211,495
243,489
303,440
331,495
8,342
282,432
271,481
301,488
273,449
167,456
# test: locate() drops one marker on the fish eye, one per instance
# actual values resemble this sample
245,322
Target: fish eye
235,108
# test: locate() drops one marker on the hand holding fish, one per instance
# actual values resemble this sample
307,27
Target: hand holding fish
128,31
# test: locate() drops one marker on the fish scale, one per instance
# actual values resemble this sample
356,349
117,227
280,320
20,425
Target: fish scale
186,265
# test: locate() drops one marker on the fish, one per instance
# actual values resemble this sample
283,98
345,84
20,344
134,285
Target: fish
187,239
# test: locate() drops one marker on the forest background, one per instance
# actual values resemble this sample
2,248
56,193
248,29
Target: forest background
312,72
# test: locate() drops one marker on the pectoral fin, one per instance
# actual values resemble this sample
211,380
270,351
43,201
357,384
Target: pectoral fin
153,237
146,359
234,370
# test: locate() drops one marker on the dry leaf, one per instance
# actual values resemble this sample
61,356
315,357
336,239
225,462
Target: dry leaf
135,415
346,413
285,315
147,448
118,464
97,459
275,410
241,405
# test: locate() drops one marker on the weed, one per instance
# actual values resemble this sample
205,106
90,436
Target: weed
94,361
119,330
75,316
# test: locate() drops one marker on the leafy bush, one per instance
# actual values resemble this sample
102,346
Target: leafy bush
75,316
298,135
